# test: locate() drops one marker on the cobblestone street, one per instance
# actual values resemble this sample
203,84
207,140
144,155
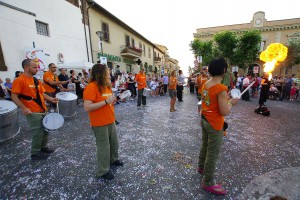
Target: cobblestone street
160,151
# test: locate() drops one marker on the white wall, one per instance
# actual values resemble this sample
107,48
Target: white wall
18,32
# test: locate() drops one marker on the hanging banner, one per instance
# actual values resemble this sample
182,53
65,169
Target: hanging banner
38,56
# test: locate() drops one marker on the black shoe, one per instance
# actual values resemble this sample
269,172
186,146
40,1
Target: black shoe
47,150
180,100
117,123
39,156
118,163
108,176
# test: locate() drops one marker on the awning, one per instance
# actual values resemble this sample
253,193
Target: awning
76,65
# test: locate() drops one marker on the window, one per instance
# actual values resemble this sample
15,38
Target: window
140,45
127,40
42,28
262,46
2,63
144,50
132,42
149,52
105,30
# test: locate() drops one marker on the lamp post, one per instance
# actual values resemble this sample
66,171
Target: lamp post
100,35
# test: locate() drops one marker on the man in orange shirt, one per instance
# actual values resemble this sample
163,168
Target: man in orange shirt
51,82
99,103
32,106
140,79
172,90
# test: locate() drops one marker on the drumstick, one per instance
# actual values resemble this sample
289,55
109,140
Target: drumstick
245,90
39,113
57,107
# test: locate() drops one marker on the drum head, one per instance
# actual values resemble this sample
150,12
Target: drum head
7,106
66,96
125,94
235,93
53,121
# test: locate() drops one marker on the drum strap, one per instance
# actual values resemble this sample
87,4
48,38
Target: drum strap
53,86
38,98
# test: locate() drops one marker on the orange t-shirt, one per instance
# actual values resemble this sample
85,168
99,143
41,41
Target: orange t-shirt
25,85
48,76
201,82
210,105
141,78
104,115
173,83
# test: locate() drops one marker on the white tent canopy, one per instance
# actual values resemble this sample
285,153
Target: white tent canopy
76,65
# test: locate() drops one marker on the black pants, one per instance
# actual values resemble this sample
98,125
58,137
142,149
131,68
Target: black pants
246,95
132,89
179,89
192,88
141,98
165,88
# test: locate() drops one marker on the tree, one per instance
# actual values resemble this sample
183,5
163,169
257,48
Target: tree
293,56
247,48
226,43
204,49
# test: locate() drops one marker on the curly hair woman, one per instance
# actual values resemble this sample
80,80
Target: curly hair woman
99,103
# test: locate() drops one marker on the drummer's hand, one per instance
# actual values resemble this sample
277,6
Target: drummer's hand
64,89
111,99
26,111
234,101
54,100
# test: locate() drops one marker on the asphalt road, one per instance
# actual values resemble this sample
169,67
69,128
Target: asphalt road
260,156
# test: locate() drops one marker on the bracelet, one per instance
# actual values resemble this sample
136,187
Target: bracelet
229,102
105,101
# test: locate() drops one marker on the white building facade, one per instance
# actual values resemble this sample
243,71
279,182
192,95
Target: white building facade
48,31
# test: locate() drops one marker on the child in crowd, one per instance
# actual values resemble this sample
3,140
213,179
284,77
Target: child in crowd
293,93
273,92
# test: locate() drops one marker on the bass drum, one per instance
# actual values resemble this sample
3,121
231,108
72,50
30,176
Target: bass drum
52,122
9,126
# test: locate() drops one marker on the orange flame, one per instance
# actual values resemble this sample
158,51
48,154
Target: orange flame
275,52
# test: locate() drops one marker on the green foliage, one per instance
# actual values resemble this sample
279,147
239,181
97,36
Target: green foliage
226,42
204,49
237,50
247,48
293,56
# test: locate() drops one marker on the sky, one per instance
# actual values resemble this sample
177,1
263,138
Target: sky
172,23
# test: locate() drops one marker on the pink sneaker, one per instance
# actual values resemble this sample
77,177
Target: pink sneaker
200,171
215,189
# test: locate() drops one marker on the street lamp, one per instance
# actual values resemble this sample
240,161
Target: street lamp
100,35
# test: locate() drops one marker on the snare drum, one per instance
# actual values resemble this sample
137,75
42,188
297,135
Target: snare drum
125,94
67,103
146,92
53,121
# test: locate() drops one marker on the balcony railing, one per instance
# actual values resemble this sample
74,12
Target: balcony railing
157,59
129,51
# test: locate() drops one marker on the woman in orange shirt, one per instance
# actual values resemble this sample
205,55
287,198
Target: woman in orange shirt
99,103
172,90
215,105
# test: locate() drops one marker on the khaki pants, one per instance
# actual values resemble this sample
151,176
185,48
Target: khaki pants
107,147
39,135
209,153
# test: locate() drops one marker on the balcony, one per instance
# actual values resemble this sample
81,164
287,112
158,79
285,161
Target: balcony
157,59
131,52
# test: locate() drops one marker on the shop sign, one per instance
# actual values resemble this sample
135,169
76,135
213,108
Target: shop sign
128,61
110,57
